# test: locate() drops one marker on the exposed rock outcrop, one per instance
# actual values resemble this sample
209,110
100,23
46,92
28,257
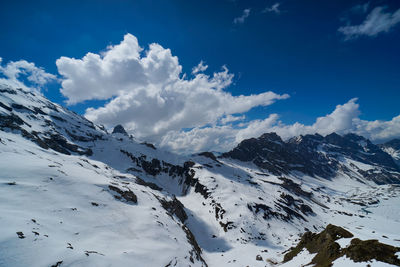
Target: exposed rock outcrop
119,129
327,250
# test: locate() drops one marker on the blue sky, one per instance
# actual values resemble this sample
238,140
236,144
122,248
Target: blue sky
287,47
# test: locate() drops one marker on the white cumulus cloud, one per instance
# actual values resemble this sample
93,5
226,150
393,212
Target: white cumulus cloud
148,94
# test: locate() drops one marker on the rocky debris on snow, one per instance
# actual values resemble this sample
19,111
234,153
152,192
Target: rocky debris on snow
226,226
21,235
57,264
367,250
195,253
88,252
327,250
174,207
156,166
128,195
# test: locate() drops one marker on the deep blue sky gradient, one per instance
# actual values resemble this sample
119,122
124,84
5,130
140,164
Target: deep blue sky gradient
299,52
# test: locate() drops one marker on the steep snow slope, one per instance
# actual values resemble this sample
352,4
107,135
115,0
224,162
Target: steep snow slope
239,212
68,209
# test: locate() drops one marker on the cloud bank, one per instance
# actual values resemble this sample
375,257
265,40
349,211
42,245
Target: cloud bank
344,119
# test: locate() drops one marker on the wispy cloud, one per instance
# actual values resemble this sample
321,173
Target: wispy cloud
376,22
199,68
274,8
361,8
16,71
243,17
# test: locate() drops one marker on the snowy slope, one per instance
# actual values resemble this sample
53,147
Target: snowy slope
67,212
57,169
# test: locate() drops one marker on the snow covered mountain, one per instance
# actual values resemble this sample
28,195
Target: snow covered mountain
316,155
72,194
393,149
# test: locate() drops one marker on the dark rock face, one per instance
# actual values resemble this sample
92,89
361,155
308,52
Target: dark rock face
323,244
57,264
60,144
152,167
185,173
287,213
5,107
175,207
316,155
21,235
119,129
368,250
195,253
128,195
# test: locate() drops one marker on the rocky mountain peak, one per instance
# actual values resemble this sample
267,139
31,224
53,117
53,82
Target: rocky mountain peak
119,129
272,137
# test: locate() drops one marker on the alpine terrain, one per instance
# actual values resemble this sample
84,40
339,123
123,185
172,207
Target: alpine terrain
74,194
